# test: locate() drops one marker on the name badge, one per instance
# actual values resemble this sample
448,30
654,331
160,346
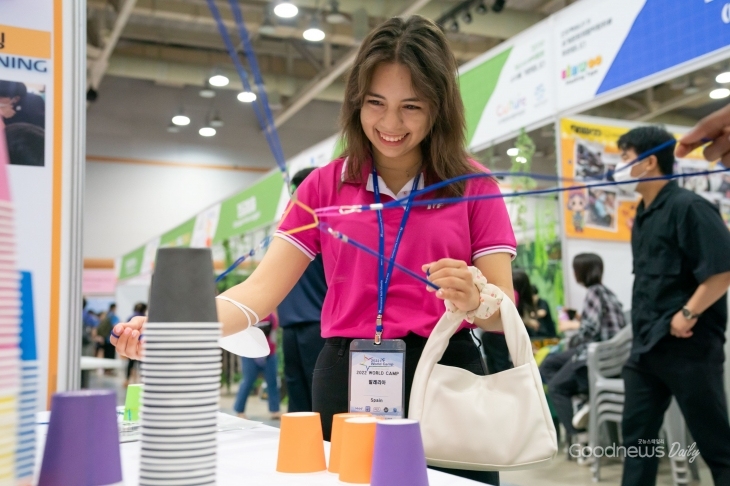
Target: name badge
377,384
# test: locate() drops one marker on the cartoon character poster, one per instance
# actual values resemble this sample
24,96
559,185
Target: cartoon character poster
588,155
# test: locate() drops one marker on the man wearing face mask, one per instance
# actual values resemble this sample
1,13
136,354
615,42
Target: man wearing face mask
679,312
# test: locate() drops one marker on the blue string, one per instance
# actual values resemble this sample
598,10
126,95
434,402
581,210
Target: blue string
272,137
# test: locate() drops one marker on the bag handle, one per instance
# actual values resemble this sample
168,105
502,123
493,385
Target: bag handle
518,343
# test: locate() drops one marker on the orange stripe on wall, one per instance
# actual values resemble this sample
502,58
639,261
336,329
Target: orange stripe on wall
57,198
165,163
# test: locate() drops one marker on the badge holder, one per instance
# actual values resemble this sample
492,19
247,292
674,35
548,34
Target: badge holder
377,384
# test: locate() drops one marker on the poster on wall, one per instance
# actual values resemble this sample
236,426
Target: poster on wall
589,153
29,100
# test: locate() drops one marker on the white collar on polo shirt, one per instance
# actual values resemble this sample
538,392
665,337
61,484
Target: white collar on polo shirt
384,189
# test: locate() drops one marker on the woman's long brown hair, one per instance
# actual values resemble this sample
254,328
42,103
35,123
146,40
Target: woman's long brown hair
418,44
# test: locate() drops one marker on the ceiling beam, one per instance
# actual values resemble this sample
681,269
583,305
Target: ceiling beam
100,63
669,105
329,75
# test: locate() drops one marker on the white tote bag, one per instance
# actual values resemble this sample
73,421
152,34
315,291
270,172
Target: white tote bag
483,423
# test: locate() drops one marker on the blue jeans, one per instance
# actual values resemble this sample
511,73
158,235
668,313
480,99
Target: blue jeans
251,370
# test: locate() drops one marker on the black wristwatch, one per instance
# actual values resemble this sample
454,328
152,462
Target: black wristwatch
688,314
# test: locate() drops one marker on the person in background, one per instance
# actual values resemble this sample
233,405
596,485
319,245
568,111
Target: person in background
140,309
17,105
300,314
566,373
526,301
104,330
90,322
543,315
268,366
679,305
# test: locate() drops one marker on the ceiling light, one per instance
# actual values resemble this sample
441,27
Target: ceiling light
172,128
207,131
335,16
498,5
207,92
286,10
267,27
466,17
513,151
454,27
216,121
219,80
723,78
181,120
521,160
246,96
481,8
314,33
719,93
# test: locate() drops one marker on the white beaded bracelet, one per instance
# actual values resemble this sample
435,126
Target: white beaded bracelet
243,308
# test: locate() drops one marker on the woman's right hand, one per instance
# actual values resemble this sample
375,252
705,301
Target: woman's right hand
125,337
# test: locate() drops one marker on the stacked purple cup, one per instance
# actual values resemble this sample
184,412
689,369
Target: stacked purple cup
398,456
181,371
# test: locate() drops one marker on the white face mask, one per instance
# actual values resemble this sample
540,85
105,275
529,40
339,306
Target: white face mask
622,173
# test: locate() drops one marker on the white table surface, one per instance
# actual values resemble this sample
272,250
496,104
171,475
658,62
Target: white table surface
91,363
244,456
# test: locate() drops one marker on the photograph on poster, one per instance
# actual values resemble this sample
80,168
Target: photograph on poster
577,204
23,112
712,187
601,209
589,163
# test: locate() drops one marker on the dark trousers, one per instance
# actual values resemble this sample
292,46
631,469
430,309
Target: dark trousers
331,375
302,345
564,378
496,352
651,380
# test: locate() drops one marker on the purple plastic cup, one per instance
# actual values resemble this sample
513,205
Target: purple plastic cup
82,446
398,457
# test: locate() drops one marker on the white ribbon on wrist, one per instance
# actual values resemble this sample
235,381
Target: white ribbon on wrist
490,298
249,343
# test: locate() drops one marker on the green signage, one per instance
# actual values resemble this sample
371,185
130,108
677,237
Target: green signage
131,264
251,208
477,86
179,236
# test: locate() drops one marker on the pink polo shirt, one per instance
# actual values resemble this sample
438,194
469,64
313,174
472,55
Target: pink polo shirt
463,231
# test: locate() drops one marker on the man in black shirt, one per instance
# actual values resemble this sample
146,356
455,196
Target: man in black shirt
679,314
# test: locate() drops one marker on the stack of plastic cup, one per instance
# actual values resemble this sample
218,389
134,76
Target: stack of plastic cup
181,371
29,382
9,327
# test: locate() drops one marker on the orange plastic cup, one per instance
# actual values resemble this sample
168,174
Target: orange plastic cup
358,443
336,444
301,446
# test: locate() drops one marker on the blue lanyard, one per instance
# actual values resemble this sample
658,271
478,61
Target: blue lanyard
383,276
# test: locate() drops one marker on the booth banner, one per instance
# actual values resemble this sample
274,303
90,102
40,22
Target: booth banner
180,236
206,224
601,49
587,54
315,156
130,265
251,208
509,87
588,152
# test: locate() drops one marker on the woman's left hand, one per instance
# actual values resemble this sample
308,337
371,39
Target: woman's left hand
455,281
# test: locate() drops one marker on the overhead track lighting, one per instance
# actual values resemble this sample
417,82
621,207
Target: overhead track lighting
466,17
286,10
481,8
498,5
335,16
454,27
